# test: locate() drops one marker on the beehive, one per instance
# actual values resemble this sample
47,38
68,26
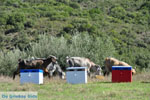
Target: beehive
121,74
76,75
31,76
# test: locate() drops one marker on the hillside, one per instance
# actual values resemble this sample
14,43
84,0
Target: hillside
125,23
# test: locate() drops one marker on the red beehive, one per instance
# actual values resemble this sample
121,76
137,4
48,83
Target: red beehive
121,74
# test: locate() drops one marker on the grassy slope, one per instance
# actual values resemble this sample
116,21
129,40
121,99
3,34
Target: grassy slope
56,89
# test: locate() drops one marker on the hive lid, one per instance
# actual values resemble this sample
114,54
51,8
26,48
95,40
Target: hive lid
121,67
76,68
31,70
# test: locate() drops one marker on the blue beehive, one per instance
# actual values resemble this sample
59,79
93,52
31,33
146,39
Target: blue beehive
31,76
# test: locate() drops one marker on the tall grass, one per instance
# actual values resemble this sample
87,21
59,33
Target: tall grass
81,45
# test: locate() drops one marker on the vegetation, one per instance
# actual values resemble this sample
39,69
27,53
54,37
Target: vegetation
57,89
90,28
79,45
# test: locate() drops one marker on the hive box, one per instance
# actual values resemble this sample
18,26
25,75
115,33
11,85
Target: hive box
76,75
121,74
31,76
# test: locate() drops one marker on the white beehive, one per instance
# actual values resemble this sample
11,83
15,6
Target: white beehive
76,75
31,76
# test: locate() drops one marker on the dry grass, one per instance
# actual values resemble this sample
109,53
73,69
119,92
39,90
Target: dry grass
6,79
142,77
53,80
102,89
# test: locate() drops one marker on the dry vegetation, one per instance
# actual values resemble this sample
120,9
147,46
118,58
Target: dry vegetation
57,89
141,77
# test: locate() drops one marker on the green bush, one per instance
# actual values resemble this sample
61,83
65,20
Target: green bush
14,3
96,14
2,41
29,24
9,61
16,18
95,48
63,1
18,27
142,17
82,45
79,25
118,12
58,17
69,28
74,5
21,41
3,19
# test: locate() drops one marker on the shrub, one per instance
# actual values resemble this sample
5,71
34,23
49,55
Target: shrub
118,12
18,27
14,3
94,48
16,18
29,23
68,28
8,61
82,45
142,17
63,1
74,5
94,11
21,41
3,19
